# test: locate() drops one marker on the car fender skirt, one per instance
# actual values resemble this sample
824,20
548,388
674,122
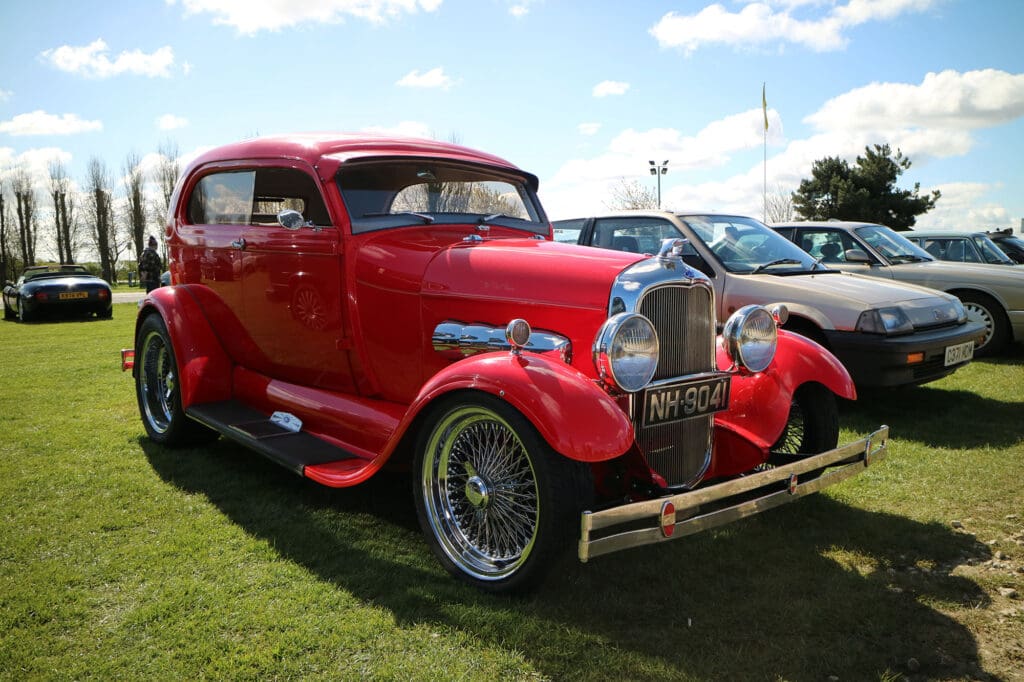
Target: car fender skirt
204,369
759,403
572,412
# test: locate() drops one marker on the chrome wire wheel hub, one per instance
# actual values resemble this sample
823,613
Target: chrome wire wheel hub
157,382
480,493
793,435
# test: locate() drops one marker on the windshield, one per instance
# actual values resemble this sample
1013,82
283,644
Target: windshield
990,252
384,194
46,271
744,245
896,248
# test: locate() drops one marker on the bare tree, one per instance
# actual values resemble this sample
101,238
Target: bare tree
167,172
63,210
6,266
101,213
631,194
779,206
25,198
135,207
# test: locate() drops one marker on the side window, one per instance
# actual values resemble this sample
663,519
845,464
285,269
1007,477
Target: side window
568,231
635,235
255,197
828,245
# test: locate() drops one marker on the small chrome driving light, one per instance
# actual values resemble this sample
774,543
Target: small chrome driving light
750,338
780,313
626,351
517,333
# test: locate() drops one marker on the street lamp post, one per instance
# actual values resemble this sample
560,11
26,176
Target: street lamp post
659,169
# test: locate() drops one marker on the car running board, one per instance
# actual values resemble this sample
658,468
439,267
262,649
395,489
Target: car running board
253,429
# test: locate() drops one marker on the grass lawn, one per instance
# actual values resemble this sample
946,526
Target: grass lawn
121,559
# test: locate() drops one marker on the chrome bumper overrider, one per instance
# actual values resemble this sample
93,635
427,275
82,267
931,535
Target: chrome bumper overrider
668,518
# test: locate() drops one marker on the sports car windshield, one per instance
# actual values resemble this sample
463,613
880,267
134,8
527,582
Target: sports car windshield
54,271
386,194
896,248
745,246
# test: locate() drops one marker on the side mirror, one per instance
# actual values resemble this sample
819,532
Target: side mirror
290,219
857,256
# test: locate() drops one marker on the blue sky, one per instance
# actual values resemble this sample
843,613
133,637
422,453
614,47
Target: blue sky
581,93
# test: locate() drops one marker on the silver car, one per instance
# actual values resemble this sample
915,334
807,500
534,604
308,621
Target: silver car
960,247
885,333
992,294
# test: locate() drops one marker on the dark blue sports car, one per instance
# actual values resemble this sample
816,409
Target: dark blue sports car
56,289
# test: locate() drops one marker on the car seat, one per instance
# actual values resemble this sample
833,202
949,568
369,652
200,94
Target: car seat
626,243
830,252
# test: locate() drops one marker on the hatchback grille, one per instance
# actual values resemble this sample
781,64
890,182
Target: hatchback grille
684,318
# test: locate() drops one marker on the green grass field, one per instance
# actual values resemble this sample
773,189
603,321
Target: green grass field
121,559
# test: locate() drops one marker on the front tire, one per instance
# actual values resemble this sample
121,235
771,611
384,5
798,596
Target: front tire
985,309
497,505
158,391
813,422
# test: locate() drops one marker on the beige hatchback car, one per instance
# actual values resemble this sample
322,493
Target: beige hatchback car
885,333
992,294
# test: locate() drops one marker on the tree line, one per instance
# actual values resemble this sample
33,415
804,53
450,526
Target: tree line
106,216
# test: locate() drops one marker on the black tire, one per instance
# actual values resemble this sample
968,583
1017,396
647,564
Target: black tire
813,423
8,313
105,314
497,505
985,309
158,392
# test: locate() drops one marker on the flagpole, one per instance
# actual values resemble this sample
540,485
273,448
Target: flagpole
764,190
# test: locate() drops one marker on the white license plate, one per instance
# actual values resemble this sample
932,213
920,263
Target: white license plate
961,352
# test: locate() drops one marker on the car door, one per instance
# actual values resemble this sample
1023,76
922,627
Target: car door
292,289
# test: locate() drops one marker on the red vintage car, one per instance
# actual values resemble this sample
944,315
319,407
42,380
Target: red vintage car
342,303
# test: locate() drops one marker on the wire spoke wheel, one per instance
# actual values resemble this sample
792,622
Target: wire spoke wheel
792,438
157,382
480,492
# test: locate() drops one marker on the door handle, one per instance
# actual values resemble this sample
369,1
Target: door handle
239,244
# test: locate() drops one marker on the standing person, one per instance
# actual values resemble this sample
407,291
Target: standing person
150,266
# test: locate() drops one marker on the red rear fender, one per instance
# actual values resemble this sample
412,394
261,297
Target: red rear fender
204,369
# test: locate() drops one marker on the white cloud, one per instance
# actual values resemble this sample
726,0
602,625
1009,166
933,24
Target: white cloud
606,88
435,78
5,95
519,11
41,123
403,129
759,23
588,128
36,162
92,61
947,100
171,122
252,16
963,206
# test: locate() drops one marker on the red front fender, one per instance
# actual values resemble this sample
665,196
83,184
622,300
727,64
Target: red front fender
571,412
204,369
759,403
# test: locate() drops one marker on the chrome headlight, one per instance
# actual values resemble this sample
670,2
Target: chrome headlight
750,338
626,351
959,311
885,321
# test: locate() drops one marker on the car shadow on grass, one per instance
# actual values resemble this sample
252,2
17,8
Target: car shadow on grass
814,589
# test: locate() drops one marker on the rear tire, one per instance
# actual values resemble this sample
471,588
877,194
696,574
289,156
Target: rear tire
158,391
497,505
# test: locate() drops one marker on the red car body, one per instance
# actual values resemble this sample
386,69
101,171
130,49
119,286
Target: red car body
339,324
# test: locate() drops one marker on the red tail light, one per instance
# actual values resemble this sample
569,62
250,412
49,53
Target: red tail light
104,294
39,296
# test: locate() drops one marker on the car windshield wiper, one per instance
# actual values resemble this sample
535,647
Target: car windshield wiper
908,258
427,219
781,261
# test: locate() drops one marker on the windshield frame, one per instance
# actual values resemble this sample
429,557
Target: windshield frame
736,258
369,188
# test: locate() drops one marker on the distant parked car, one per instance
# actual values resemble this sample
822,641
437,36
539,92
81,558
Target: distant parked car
57,290
992,295
1009,243
960,247
165,278
884,333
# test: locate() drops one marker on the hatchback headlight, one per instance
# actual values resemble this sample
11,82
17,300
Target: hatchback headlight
885,321
750,338
626,351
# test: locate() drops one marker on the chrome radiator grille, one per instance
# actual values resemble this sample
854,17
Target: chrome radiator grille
684,318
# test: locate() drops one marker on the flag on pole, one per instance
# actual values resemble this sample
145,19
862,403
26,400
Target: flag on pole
764,107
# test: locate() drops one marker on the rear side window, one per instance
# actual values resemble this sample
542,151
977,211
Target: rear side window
255,197
568,231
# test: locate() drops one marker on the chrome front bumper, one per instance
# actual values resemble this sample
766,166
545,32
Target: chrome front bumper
668,518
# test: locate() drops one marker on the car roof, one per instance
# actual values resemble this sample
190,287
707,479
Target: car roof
337,148
943,233
845,224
